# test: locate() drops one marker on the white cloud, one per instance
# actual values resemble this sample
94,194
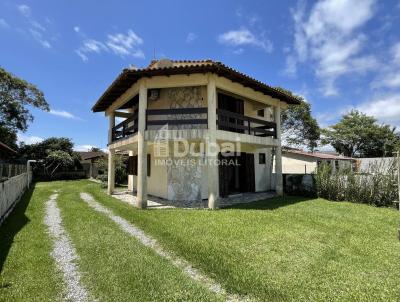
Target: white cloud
3,23
77,29
125,44
81,55
38,36
83,148
238,51
63,113
329,38
291,66
385,108
390,74
120,44
243,37
396,53
191,37
24,9
37,30
28,140
390,79
93,46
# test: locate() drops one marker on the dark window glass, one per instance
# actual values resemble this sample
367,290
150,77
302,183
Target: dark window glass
261,158
260,112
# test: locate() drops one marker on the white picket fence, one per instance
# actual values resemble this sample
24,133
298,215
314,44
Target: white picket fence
11,190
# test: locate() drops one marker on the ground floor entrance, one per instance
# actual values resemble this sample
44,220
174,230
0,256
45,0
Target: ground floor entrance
236,173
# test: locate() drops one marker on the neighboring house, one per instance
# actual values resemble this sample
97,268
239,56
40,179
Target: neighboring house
6,152
89,162
302,162
205,105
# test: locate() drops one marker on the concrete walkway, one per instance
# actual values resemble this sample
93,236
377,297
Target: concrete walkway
154,202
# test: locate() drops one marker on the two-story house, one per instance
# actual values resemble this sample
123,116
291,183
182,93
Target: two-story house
194,130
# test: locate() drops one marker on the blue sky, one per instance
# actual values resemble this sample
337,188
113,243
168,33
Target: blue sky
338,54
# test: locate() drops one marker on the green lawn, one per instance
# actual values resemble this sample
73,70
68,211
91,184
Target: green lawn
287,249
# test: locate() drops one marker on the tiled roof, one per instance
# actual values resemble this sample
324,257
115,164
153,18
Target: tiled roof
91,154
7,149
318,155
130,76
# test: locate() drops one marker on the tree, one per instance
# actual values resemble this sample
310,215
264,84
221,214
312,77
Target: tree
95,149
57,160
358,134
53,154
15,95
41,150
299,128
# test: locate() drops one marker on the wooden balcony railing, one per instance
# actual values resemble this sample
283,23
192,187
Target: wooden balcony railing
184,118
126,128
176,117
235,122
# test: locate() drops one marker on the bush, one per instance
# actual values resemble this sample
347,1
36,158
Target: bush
103,178
377,187
121,175
296,185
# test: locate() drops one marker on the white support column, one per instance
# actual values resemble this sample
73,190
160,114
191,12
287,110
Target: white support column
211,156
130,177
278,152
111,124
142,148
111,172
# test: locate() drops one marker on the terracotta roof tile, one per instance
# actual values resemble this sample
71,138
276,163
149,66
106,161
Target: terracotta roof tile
172,67
318,155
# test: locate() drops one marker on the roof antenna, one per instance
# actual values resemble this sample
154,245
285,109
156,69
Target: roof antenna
154,53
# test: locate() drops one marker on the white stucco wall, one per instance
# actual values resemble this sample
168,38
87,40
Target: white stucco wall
302,164
156,183
298,164
262,171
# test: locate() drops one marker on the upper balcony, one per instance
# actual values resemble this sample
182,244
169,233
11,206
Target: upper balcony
193,118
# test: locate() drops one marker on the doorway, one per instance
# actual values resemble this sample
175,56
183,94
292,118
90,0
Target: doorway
236,173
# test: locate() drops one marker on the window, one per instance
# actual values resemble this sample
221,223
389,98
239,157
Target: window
133,165
260,112
261,158
336,165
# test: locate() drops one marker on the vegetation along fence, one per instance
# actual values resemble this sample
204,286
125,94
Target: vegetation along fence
14,180
377,185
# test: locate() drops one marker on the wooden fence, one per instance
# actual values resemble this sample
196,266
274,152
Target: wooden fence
14,182
8,171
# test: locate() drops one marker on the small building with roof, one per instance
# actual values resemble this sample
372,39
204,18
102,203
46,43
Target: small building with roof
302,162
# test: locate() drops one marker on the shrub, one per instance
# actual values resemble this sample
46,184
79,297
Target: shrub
121,175
377,187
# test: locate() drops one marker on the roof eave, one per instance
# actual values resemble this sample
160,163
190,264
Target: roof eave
216,67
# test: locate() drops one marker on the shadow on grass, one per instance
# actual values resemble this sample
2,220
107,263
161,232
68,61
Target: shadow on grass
270,204
13,224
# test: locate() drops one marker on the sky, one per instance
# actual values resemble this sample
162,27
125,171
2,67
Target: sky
338,54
